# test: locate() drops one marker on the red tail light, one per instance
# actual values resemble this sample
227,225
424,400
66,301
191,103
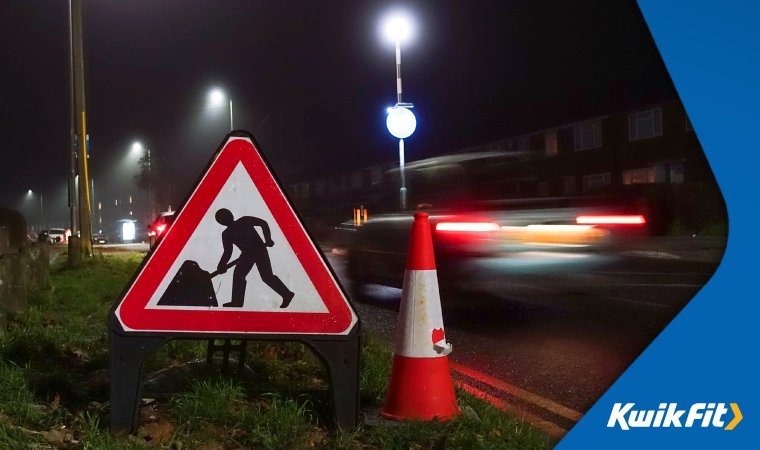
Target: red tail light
611,220
160,229
468,227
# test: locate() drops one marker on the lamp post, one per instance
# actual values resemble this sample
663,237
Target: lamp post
138,147
30,193
216,98
400,121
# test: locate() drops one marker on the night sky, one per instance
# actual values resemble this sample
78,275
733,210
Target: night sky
320,71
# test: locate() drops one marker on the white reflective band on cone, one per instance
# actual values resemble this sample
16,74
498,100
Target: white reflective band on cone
420,324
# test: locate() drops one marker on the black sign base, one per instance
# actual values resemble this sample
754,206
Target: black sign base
339,354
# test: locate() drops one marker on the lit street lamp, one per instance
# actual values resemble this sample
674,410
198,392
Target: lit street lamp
30,193
216,98
400,121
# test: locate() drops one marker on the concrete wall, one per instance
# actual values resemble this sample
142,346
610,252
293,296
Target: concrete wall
23,267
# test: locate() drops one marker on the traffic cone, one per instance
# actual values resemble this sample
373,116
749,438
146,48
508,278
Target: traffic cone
420,387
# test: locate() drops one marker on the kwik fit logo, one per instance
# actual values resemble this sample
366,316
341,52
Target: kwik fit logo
668,415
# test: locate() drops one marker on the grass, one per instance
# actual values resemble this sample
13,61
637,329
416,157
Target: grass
50,354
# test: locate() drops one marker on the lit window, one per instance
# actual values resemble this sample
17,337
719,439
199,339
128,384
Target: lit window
595,181
130,199
550,139
130,213
638,176
99,205
588,136
645,124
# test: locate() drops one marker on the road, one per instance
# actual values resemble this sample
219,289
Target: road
575,330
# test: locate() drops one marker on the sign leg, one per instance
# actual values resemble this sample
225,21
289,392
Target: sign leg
127,357
342,361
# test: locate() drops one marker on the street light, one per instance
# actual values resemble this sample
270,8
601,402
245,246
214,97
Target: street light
401,122
30,193
137,147
216,97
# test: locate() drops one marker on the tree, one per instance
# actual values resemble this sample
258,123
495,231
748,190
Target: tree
161,183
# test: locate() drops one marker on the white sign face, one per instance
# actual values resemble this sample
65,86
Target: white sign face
242,199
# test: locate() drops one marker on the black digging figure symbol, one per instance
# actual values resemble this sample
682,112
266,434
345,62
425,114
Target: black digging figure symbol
242,234
192,286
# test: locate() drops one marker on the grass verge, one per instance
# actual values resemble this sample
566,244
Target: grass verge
53,387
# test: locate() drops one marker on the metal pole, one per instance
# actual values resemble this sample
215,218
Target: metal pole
92,194
74,255
402,191
42,217
398,72
85,235
231,126
150,192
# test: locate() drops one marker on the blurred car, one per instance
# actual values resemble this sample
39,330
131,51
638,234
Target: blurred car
159,226
378,251
99,239
42,236
55,235
462,239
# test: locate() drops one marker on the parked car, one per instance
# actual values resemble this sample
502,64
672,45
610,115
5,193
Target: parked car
159,226
55,235
99,239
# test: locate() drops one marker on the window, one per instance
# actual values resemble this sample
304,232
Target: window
377,175
688,124
588,136
638,176
676,172
595,181
550,141
645,124
320,187
523,144
304,189
356,180
543,189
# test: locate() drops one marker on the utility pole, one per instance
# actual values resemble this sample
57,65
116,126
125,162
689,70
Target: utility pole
74,255
80,120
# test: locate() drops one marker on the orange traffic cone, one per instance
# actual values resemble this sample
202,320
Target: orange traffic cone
420,387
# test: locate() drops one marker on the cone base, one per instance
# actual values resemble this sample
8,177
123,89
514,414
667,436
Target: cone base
420,389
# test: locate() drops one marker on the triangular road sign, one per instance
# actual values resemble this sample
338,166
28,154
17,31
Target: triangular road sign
236,260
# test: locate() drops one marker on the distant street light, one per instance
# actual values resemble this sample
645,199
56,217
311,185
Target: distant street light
401,122
216,97
137,147
30,194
